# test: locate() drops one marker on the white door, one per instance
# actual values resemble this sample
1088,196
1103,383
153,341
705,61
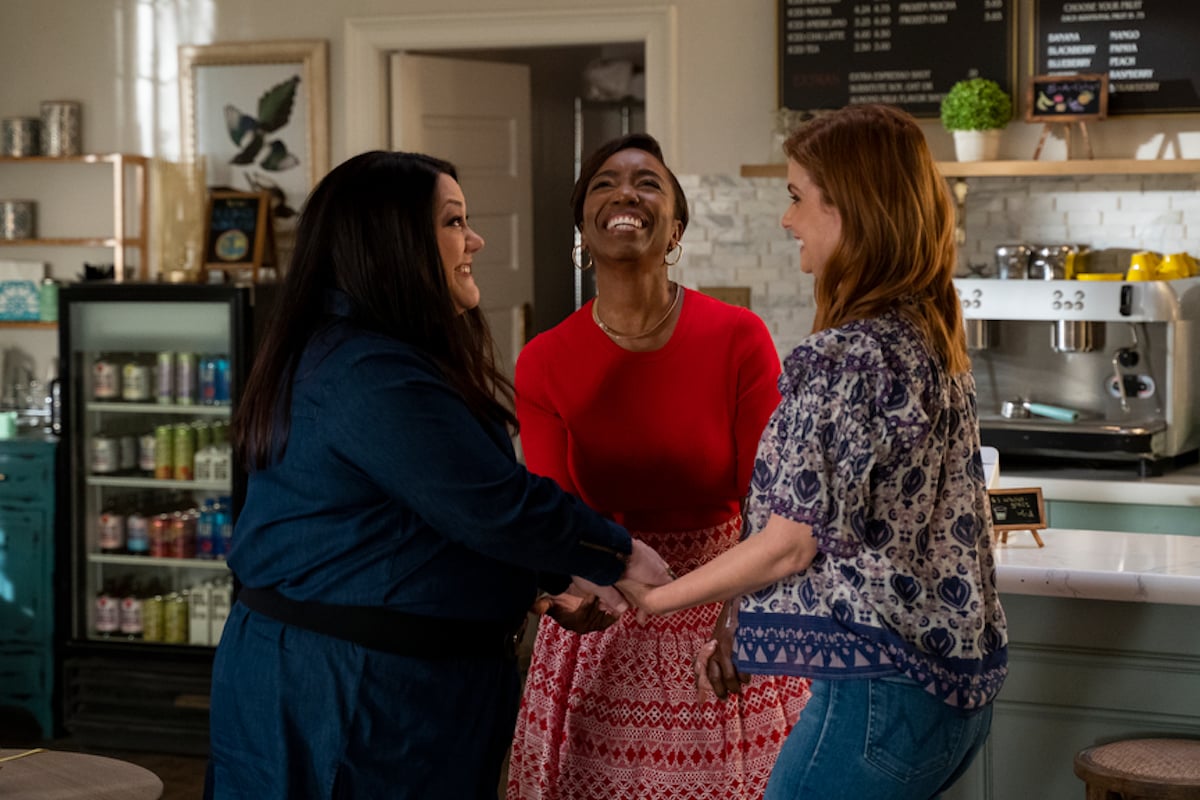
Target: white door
476,115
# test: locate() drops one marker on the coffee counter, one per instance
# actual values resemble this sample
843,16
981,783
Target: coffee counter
1101,565
1104,644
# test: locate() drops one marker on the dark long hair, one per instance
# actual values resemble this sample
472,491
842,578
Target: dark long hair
368,230
871,162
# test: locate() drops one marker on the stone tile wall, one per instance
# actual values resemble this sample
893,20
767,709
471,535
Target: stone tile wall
735,239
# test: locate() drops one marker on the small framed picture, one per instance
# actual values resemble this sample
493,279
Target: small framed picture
1066,98
238,233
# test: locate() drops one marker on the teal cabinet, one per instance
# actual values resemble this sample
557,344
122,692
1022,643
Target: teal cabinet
26,578
1084,672
1183,520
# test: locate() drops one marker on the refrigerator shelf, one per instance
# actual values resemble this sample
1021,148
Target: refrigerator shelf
151,561
157,408
156,483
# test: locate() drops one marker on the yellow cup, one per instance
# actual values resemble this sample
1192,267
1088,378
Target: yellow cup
1100,276
1143,266
1176,265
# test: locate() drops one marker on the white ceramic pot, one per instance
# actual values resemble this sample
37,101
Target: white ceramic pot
977,145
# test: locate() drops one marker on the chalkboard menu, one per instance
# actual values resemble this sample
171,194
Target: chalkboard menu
834,53
1147,47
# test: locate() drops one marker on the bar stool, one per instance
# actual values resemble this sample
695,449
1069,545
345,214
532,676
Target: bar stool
1141,769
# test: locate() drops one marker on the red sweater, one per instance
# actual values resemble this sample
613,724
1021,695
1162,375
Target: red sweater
663,440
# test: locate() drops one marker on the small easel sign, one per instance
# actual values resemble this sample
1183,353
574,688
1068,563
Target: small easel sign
1066,100
1017,510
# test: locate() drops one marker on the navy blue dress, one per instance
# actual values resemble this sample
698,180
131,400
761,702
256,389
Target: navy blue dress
389,494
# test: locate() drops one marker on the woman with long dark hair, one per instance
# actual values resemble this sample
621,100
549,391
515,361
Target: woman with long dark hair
390,544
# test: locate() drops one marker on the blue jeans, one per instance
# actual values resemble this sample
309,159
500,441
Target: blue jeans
882,738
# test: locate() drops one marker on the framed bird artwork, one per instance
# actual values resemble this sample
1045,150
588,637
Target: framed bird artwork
258,114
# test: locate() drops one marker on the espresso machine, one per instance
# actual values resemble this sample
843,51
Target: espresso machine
1082,370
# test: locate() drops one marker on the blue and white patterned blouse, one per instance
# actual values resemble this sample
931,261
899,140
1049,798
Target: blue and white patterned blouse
877,448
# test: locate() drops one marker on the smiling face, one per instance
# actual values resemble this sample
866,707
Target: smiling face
816,225
457,243
629,210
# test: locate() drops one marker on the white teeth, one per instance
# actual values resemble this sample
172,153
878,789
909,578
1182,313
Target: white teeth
625,221
465,269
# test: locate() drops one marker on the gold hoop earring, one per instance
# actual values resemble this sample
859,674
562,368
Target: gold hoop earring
678,254
577,253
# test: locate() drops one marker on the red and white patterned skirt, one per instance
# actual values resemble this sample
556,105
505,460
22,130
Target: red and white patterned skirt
614,715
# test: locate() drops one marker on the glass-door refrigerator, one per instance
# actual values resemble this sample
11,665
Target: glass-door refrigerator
148,495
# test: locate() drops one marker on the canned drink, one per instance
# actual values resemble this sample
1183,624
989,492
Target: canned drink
106,454
154,619
208,380
222,390
203,434
182,538
106,379
184,452
137,534
185,379
135,382
164,452
146,453
220,431
128,453
175,617
160,531
164,377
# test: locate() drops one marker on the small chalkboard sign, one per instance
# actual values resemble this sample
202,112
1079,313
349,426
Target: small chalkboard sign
1017,510
1066,98
238,233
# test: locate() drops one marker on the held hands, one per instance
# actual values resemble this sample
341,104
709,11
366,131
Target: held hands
713,665
576,613
646,569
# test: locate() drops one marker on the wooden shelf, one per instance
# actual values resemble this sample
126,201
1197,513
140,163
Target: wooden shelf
1012,169
28,324
120,240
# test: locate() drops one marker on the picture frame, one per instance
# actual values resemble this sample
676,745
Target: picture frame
258,114
238,234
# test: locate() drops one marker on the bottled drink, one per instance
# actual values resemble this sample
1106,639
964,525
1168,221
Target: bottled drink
129,617
137,533
110,529
106,378
136,380
107,612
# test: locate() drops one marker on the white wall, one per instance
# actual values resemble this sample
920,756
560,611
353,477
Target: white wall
118,58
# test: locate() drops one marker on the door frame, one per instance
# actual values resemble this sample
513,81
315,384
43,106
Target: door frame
370,40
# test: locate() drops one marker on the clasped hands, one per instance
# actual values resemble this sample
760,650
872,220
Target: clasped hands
587,607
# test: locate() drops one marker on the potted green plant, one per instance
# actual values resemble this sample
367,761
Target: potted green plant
975,110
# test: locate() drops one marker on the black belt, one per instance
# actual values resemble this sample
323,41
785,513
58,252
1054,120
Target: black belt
388,630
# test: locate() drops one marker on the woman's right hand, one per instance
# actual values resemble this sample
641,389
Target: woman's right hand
714,667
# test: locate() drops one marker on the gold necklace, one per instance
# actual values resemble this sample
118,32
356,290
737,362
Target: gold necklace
652,329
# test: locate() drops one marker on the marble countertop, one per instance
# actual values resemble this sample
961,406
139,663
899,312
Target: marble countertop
1101,565
1179,487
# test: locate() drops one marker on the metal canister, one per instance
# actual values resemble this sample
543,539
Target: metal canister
137,534
203,434
147,460
62,128
183,452
164,452
20,137
128,445
181,543
154,619
18,219
175,627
